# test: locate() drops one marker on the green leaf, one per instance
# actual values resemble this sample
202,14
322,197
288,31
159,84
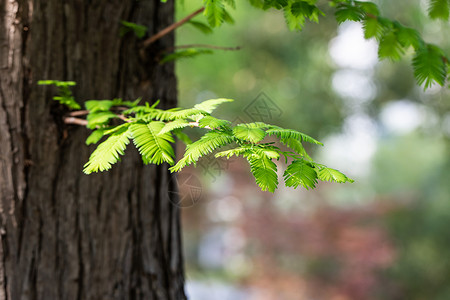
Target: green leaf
439,9
65,96
99,118
300,172
212,123
108,152
182,136
373,28
291,134
201,26
98,105
253,135
390,47
154,148
409,37
95,136
297,146
194,113
294,22
368,8
185,53
429,66
209,142
227,18
252,150
138,30
177,124
210,105
265,172
214,12
230,152
68,101
231,3
328,174
57,83
347,12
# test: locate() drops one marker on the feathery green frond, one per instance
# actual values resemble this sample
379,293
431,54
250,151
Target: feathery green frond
368,7
227,18
300,172
185,53
113,129
99,118
247,133
65,96
182,136
294,21
249,150
212,123
230,152
291,134
261,125
373,28
390,47
95,136
201,26
297,146
210,105
108,152
265,172
348,12
98,105
429,66
153,147
177,124
328,174
214,12
209,142
231,3
439,9
188,112
409,37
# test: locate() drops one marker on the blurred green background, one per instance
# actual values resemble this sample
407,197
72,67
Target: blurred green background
387,235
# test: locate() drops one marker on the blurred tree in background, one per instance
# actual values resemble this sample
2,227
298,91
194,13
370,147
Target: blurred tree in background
394,139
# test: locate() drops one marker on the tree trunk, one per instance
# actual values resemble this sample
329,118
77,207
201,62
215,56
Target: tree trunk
65,235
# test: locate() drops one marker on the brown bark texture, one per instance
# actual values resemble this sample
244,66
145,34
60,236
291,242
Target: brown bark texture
66,235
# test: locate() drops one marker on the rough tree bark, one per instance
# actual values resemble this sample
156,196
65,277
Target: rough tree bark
65,235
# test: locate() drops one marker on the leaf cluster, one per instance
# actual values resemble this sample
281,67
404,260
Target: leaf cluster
64,95
153,132
429,62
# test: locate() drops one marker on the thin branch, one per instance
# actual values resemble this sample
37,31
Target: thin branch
206,46
75,121
78,113
196,124
170,28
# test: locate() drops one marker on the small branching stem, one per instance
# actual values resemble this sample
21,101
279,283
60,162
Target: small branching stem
75,121
170,28
205,46
196,124
78,113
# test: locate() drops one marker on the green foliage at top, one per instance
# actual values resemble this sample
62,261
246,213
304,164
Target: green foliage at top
394,38
65,96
